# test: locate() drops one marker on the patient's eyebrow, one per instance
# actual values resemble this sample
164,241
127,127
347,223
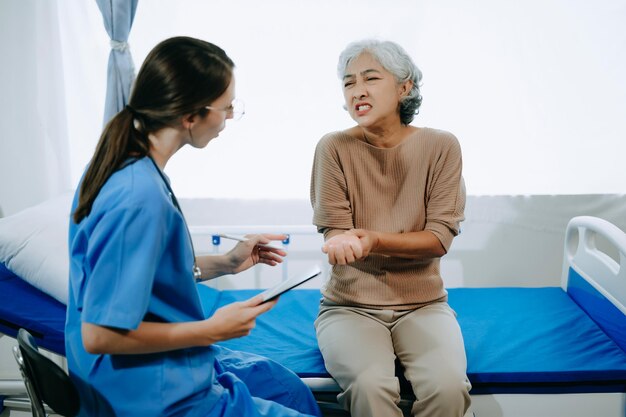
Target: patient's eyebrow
364,72
369,71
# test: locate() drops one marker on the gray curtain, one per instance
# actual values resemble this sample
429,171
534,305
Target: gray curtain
118,18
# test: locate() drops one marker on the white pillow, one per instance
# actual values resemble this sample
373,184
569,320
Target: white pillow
33,245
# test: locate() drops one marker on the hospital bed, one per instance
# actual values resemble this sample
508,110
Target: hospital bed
546,351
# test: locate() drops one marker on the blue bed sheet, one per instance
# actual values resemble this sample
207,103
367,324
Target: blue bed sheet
285,333
535,340
518,340
22,305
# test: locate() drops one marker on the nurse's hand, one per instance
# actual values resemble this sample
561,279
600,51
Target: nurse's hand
237,319
252,251
343,249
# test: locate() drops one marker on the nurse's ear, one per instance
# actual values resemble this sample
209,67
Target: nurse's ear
189,120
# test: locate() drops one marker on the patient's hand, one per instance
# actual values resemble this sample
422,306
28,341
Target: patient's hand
343,249
369,240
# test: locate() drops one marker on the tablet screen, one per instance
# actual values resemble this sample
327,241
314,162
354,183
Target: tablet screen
292,282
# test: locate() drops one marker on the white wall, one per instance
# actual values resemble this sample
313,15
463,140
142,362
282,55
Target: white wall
504,240
535,90
34,147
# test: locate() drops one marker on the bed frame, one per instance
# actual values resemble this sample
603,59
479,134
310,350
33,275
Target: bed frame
548,351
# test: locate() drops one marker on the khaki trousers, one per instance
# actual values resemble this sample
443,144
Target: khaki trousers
360,345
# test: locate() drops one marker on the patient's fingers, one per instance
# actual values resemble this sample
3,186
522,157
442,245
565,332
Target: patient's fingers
336,255
344,254
348,252
357,249
341,255
343,249
331,257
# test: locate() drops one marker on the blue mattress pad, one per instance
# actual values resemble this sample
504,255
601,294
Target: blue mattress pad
518,340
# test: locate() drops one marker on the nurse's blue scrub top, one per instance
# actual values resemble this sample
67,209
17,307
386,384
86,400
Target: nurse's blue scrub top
131,261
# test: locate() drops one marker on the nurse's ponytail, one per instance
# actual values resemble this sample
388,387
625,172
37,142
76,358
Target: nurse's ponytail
179,77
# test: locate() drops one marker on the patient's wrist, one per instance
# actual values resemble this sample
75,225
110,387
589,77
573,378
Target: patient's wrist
375,240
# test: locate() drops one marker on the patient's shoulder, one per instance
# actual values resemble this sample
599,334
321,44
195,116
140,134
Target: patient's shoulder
339,139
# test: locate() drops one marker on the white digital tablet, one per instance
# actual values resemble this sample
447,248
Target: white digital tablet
292,282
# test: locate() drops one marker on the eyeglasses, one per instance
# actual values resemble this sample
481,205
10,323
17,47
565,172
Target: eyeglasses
236,110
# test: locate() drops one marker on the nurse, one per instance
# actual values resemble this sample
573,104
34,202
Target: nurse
137,342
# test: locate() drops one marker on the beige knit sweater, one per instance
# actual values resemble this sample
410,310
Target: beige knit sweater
414,186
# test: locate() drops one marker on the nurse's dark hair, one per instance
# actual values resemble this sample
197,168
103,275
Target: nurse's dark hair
178,78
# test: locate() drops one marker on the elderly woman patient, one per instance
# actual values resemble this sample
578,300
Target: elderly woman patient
388,198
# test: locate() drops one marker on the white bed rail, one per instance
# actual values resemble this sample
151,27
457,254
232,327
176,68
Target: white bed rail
606,274
207,230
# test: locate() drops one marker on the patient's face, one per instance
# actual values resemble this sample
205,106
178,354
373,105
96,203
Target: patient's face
371,93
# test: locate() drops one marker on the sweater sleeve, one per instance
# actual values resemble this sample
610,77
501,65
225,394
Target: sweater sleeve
446,196
329,191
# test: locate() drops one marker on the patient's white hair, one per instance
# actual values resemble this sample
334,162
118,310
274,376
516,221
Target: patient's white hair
395,60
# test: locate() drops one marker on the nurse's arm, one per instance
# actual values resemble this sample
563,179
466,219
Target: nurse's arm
228,322
213,266
243,256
